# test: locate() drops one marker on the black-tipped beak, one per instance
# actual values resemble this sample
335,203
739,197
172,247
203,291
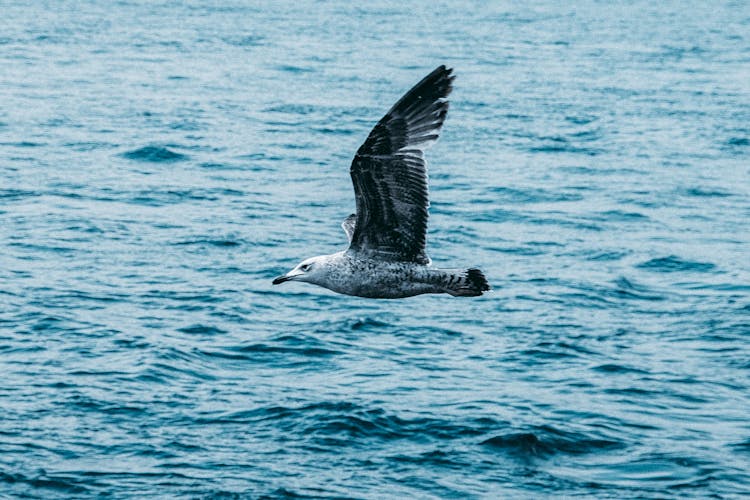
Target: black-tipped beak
280,280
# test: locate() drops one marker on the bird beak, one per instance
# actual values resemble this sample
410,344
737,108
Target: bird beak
281,279
287,277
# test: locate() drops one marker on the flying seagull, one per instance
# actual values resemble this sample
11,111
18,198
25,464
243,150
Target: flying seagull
386,257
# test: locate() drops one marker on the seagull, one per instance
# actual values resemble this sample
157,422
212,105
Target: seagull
386,257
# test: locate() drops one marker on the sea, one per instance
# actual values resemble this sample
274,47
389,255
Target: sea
162,161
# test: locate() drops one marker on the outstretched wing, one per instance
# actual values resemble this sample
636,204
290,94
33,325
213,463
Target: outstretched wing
390,175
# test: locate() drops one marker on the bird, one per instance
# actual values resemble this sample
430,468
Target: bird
387,257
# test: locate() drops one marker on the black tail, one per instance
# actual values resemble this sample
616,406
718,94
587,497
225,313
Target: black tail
469,283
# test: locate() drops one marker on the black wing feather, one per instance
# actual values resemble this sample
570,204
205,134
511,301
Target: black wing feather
390,175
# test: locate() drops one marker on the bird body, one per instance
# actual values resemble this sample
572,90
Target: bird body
348,273
387,255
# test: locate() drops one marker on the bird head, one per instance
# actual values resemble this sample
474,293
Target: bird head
309,270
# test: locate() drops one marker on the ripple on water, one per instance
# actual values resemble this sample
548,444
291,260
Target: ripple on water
154,154
201,330
545,441
739,141
673,264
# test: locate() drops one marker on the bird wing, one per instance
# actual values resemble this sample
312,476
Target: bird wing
390,175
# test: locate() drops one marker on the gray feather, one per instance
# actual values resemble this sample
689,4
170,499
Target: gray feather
348,225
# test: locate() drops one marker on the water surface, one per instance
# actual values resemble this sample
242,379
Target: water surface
160,163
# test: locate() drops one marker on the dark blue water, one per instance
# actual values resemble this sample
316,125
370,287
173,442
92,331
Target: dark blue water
161,163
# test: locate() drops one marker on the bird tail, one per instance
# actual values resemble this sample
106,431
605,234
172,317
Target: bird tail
467,283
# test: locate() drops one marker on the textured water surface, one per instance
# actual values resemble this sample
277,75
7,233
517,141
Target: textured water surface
160,163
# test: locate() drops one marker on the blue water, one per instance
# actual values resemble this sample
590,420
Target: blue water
161,163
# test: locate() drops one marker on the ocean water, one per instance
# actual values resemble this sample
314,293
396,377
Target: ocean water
161,162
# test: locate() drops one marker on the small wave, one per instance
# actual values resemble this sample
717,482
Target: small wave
621,216
532,195
743,446
307,351
367,324
666,470
615,368
59,484
50,324
330,423
627,289
281,493
182,296
581,120
201,330
607,255
16,194
23,144
293,109
218,166
563,145
155,154
288,68
555,220
739,141
340,426
74,295
437,458
159,197
334,131
285,350
545,441
673,263
555,350
186,125
172,364
244,41
706,192
221,243
86,146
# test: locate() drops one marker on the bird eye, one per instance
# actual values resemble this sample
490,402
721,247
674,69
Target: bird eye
305,268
